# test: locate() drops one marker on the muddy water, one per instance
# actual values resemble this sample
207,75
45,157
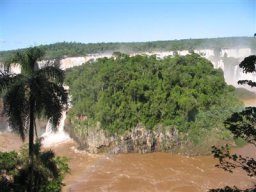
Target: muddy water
137,172
155,172
9,141
249,102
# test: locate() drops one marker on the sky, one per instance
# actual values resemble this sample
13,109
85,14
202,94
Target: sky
25,23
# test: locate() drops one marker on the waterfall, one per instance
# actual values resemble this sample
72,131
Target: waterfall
4,125
9,128
240,75
51,137
233,73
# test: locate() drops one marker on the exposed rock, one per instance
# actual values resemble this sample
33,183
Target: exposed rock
138,140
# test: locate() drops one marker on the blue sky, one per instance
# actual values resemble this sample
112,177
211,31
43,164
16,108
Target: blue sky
25,23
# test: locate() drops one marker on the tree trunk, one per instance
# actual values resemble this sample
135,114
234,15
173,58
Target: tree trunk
31,145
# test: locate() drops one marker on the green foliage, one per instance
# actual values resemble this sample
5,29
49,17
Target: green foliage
8,161
60,50
41,88
240,142
49,170
242,125
33,93
181,91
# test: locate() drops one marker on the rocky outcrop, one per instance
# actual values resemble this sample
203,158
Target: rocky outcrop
138,140
141,140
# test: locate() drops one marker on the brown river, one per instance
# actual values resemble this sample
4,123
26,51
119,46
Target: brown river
140,172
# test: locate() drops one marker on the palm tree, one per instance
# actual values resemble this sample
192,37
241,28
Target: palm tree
49,171
33,93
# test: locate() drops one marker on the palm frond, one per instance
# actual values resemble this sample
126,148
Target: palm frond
51,73
20,58
7,80
16,107
34,54
51,99
47,158
8,62
44,85
27,59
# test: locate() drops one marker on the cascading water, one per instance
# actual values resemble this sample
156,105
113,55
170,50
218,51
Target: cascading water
240,75
233,73
4,125
8,129
51,137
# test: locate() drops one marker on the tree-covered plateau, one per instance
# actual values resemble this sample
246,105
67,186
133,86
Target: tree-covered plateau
72,49
181,92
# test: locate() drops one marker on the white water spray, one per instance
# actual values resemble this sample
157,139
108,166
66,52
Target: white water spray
51,137
8,128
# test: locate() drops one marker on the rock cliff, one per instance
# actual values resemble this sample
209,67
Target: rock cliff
226,59
138,140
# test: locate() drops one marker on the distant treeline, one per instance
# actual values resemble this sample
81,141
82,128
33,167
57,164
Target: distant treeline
71,49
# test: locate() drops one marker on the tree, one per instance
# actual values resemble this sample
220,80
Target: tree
242,125
49,170
184,92
33,93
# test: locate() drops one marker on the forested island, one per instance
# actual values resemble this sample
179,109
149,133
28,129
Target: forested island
175,101
183,98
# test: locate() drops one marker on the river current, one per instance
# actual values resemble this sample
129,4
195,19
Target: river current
140,172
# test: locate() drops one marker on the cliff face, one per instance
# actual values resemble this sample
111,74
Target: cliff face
70,62
226,59
138,140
